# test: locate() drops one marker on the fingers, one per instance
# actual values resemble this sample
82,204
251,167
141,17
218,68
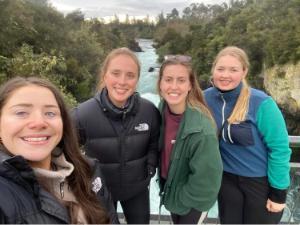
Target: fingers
274,207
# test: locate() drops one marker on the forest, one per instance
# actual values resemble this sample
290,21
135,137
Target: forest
36,39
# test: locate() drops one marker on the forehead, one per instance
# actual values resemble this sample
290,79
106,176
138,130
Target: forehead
228,60
123,60
32,94
176,71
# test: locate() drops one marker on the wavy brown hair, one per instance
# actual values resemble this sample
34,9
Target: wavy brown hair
80,181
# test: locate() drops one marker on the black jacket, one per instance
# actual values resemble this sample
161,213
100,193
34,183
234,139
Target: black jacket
24,201
125,141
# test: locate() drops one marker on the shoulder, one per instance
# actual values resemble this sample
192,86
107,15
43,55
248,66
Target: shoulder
209,91
146,103
85,109
92,102
196,120
147,108
258,96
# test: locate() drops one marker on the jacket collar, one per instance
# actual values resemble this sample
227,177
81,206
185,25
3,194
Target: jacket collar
231,95
192,117
17,169
114,112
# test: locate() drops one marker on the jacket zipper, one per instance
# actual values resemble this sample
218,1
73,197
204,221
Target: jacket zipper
223,117
61,187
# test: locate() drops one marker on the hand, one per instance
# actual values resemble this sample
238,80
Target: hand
274,207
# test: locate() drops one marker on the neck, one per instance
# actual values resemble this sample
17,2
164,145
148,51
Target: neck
177,109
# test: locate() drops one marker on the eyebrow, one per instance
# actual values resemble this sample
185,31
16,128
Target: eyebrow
28,105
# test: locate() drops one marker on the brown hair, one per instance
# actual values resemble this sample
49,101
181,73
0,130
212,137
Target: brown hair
241,107
114,53
195,96
80,179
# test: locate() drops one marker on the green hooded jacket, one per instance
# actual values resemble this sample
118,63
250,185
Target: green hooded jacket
195,168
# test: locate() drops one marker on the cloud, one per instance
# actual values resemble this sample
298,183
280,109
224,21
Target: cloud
102,8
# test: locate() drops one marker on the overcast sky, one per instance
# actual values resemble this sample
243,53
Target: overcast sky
104,8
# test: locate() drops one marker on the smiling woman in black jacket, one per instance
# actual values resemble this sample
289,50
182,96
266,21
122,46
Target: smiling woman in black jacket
121,130
43,176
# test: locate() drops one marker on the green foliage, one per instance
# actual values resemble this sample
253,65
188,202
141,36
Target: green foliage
36,39
268,30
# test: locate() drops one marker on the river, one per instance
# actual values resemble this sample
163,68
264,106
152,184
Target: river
147,88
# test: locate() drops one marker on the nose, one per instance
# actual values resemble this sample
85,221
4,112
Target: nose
37,121
174,84
122,79
225,73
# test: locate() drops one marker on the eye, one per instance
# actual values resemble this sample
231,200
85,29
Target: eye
115,73
182,80
50,114
131,76
220,69
21,113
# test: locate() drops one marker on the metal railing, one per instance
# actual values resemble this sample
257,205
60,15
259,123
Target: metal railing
294,141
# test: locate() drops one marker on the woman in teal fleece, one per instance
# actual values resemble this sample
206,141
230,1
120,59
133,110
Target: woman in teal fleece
190,165
253,143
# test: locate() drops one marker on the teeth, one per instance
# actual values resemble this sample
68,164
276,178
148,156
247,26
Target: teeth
173,94
36,139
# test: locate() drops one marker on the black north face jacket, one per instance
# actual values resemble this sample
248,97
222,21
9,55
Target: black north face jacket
125,141
24,201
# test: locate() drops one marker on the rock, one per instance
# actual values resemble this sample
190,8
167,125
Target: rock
283,84
134,46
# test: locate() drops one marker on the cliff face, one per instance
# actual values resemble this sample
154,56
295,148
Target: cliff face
283,84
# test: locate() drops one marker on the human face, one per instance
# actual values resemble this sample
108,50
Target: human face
121,79
228,73
175,86
31,124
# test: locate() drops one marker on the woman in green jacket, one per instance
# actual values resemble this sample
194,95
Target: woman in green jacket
190,162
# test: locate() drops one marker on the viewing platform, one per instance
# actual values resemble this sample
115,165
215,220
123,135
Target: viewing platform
291,213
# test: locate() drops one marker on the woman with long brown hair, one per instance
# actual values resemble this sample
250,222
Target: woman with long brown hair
190,165
43,176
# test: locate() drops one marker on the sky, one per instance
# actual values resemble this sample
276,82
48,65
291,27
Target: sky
136,8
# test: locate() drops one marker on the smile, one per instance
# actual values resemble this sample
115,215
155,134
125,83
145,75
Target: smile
35,139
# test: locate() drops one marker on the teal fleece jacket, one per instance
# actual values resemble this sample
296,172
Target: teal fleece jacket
195,170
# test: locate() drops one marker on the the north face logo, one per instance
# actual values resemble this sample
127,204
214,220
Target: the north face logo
142,127
97,184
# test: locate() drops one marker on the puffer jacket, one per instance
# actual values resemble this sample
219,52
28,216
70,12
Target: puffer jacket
24,201
125,141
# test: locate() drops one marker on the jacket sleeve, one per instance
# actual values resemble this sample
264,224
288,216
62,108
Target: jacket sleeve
204,180
75,113
103,194
2,217
271,125
153,144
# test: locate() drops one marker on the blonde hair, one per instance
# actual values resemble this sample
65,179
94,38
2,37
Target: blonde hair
114,53
241,107
195,96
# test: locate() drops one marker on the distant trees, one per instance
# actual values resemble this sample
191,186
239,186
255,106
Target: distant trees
36,39
268,30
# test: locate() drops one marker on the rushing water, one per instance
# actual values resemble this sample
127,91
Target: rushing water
147,88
